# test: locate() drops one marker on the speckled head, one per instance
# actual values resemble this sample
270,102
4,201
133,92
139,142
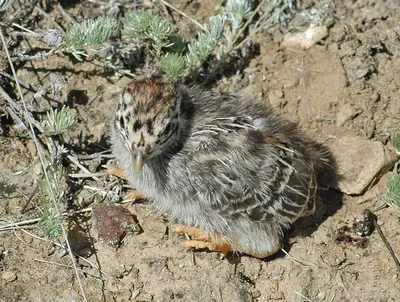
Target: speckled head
148,118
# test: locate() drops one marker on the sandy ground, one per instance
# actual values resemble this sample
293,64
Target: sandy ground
350,81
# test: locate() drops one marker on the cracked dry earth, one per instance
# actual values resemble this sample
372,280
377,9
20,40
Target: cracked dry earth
350,83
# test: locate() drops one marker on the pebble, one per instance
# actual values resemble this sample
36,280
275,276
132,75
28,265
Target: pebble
111,223
276,99
9,277
345,113
144,296
359,163
31,148
304,40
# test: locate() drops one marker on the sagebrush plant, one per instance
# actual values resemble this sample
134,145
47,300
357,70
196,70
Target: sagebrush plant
50,223
91,34
396,142
281,9
392,197
236,12
201,48
179,59
57,122
173,65
52,187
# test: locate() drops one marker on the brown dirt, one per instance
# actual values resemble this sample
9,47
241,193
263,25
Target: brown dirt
358,64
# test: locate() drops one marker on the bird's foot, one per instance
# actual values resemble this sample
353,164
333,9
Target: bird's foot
201,240
116,171
120,173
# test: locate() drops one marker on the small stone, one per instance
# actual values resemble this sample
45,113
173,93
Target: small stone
111,223
9,277
31,148
250,91
304,40
21,146
144,297
276,99
345,113
290,82
168,294
359,162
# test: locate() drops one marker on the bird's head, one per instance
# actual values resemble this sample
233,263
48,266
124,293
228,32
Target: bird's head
148,118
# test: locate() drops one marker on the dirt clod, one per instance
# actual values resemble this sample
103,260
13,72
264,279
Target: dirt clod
112,222
9,277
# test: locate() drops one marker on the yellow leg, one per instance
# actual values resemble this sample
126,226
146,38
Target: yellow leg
118,172
201,240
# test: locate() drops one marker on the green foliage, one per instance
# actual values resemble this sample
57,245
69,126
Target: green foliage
91,34
392,197
173,65
280,9
159,33
142,27
5,4
396,142
236,12
51,225
136,26
201,48
179,59
58,122
53,187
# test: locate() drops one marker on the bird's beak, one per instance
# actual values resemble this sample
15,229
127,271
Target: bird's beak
139,159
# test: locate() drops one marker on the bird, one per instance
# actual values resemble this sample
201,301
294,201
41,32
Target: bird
230,171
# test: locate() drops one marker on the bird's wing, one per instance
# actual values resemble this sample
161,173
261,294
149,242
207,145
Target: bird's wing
240,170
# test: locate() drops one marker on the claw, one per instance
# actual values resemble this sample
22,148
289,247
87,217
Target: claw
202,240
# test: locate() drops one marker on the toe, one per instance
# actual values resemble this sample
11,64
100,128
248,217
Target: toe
191,231
117,171
214,246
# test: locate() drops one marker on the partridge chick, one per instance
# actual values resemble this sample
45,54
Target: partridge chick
228,168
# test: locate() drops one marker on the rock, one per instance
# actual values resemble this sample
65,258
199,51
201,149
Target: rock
304,40
250,91
345,113
9,277
112,222
275,98
31,148
359,163
144,297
